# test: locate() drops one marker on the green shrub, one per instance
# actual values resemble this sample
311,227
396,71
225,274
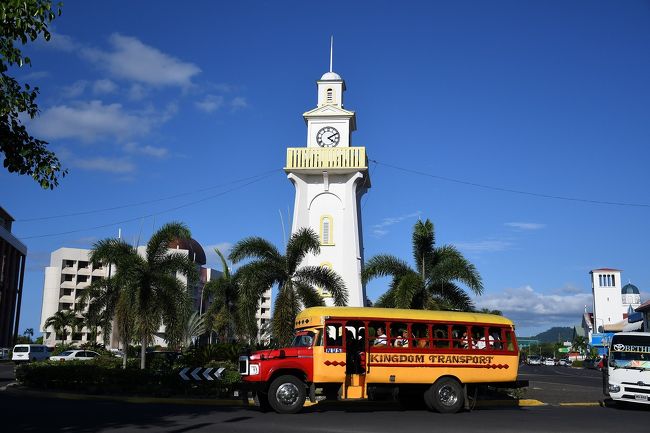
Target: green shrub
104,375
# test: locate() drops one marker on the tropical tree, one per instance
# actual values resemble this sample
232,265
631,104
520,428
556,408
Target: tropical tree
296,285
29,333
433,282
60,322
223,314
488,311
580,344
194,327
146,287
22,21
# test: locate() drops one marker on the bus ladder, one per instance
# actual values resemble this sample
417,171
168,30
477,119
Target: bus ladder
355,387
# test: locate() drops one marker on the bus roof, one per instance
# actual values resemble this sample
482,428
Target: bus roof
308,316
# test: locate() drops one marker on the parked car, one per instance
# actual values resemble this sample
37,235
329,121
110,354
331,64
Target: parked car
549,361
565,362
593,363
30,352
534,360
75,355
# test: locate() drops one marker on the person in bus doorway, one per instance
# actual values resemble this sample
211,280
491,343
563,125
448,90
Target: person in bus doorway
380,339
402,340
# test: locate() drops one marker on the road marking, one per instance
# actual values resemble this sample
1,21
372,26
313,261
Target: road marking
586,404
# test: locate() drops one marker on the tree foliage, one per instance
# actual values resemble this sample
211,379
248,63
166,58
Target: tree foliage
433,283
61,321
23,21
297,286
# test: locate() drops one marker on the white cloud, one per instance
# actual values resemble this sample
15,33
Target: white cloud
63,43
36,75
133,60
238,103
380,229
135,148
90,121
75,89
533,311
104,86
210,103
525,226
137,92
104,164
484,246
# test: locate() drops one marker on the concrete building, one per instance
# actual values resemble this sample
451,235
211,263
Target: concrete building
70,273
12,271
608,303
330,177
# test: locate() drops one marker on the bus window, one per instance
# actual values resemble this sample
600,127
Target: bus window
441,336
421,335
510,340
319,338
460,339
377,334
495,338
479,338
303,339
399,335
333,338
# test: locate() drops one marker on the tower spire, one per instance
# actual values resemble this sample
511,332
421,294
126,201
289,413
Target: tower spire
331,50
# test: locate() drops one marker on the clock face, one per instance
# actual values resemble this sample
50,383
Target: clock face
328,137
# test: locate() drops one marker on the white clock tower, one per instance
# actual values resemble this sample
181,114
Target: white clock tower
330,177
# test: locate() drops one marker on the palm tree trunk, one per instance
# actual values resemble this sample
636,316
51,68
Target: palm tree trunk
142,351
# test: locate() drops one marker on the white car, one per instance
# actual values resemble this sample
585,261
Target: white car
75,355
549,361
29,352
534,360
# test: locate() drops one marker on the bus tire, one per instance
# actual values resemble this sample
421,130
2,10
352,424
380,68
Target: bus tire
445,396
287,394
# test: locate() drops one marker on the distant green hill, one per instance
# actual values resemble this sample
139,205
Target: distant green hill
554,335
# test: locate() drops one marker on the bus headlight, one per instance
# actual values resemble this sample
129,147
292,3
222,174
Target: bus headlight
253,369
614,388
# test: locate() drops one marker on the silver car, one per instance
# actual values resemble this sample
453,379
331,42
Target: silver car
75,355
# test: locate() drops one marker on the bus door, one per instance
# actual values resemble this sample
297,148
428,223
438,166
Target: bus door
355,356
330,366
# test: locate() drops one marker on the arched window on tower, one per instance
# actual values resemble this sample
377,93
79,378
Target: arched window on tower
326,228
321,291
330,96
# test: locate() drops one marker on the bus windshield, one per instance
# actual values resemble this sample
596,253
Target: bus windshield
303,339
630,351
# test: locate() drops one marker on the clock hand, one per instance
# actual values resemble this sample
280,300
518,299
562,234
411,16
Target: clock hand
333,135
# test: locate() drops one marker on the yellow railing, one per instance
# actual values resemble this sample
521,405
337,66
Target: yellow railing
332,158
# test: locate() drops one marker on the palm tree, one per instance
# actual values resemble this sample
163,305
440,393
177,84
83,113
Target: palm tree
223,314
433,283
60,322
488,311
296,285
29,333
146,287
580,344
194,327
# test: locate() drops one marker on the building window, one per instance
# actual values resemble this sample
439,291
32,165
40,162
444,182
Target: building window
323,292
326,225
330,96
613,280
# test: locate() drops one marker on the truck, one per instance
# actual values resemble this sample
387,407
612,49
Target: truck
628,368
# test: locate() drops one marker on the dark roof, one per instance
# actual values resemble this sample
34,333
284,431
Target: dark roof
605,269
630,289
195,249
643,307
5,215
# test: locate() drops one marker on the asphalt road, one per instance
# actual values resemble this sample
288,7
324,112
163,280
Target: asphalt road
562,385
36,414
6,373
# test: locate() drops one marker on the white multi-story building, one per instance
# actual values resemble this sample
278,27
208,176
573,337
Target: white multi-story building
330,177
608,305
70,273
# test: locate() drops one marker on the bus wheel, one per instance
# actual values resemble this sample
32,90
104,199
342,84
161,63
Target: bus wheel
287,394
444,396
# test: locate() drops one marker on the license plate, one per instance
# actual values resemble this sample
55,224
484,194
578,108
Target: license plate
642,397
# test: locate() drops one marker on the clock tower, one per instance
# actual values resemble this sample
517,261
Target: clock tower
330,177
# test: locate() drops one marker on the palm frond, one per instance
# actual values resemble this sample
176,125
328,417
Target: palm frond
324,278
408,287
452,266
384,265
308,295
254,248
304,241
423,242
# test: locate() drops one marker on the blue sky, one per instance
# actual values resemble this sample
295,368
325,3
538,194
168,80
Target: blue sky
186,112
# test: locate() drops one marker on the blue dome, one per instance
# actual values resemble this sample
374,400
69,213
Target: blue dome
630,289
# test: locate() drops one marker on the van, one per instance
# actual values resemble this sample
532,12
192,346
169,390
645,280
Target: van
30,352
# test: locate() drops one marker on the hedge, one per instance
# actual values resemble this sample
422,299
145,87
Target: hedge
106,376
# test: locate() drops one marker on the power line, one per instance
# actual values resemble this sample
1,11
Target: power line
513,191
156,200
151,214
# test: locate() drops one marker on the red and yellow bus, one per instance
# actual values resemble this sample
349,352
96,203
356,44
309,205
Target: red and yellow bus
353,353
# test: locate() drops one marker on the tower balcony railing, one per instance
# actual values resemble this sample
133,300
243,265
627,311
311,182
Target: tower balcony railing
332,158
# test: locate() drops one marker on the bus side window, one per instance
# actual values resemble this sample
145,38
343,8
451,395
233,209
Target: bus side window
495,338
509,341
460,338
399,335
377,334
421,334
333,338
441,336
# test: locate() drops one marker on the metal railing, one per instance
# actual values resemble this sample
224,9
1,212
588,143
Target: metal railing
326,158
